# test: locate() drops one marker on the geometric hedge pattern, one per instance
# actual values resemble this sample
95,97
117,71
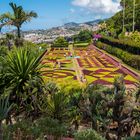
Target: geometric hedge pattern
52,69
95,67
98,69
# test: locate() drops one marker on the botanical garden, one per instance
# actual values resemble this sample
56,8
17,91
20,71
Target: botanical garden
87,89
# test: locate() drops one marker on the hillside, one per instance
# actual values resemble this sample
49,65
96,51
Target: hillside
116,21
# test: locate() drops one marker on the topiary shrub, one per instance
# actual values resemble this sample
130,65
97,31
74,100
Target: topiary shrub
88,134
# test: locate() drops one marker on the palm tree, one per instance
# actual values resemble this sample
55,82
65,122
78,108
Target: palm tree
123,15
134,8
5,107
17,18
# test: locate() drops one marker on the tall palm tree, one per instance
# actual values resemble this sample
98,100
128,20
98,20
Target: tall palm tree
17,18
123,15
134,8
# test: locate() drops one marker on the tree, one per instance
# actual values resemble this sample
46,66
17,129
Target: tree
60,42
17,18
131,14
83,36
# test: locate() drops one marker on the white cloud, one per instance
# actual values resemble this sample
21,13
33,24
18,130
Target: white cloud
99,6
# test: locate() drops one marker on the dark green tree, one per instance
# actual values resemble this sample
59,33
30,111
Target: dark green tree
60,42
83,36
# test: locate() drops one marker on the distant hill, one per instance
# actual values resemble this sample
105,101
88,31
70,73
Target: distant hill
94,22
71,28
71,25
74,24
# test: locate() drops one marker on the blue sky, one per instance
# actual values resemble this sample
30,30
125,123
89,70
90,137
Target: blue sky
53,13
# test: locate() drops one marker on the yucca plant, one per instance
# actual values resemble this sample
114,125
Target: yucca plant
24,75
5,107
23,66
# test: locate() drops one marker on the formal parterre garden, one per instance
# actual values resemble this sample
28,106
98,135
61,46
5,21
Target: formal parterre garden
59,66
94,65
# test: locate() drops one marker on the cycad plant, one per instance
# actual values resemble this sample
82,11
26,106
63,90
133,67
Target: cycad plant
57,105
5,107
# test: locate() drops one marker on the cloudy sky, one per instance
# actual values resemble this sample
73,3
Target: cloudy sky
57,12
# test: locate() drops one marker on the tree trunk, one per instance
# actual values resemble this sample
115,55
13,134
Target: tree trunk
18,32
1,134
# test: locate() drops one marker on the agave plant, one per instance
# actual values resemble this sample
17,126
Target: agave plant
5,107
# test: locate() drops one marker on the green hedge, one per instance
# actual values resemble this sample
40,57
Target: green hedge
128,58
81,44
127,45
60,45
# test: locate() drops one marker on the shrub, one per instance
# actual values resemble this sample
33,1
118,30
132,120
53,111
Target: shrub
60,42
124,44
81,45
83,36
133,138
3,51
128,58
88,134
42,127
